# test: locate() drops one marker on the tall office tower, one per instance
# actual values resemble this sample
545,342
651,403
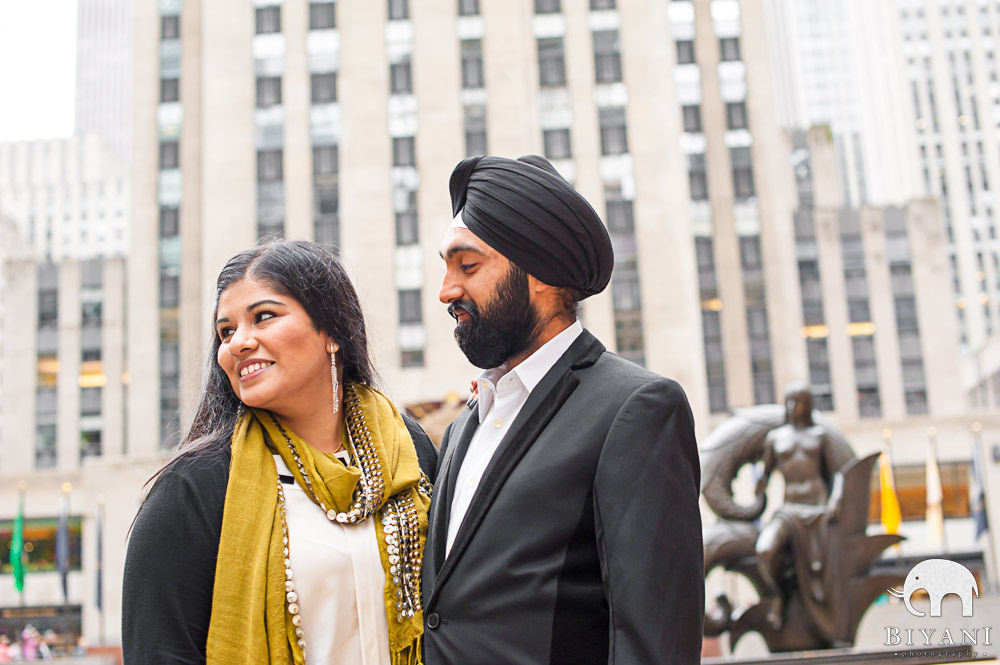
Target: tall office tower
341,122
950,52
909,89
103,72
838,64
62,417
68,197
881,339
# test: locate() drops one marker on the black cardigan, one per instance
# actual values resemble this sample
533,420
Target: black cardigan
170,564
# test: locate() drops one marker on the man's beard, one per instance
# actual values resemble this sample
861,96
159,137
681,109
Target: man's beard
505,327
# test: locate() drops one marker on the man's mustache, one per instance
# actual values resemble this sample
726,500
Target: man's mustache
466,306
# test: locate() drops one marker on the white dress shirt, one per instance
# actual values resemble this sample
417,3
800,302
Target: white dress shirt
340,581
502,394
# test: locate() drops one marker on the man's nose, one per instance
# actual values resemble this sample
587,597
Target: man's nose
450,290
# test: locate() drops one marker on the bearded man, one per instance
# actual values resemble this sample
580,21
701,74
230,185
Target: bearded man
565,526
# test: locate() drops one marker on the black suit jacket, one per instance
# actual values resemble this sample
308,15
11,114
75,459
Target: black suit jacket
583,541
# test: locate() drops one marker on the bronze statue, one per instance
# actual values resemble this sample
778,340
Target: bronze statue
810,563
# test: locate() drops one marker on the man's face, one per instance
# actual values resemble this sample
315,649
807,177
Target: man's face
488,298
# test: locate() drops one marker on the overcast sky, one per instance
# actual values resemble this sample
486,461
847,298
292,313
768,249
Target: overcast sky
37,62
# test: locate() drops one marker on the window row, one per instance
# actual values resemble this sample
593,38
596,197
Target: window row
729,50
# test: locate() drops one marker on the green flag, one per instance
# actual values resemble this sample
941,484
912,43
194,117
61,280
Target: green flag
17,548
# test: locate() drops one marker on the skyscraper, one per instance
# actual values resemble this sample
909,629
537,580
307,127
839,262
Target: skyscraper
104,73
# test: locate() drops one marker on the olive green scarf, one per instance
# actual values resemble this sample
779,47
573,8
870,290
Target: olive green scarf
250,623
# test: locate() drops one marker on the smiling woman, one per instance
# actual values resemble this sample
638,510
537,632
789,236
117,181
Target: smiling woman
295,495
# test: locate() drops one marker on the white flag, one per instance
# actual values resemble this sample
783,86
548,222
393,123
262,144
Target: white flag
935,500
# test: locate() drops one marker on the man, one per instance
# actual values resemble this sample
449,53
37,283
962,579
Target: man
565,526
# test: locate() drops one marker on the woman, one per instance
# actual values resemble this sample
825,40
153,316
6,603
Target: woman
290,526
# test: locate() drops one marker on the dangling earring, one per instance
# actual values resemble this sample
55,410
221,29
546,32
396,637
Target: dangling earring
333,378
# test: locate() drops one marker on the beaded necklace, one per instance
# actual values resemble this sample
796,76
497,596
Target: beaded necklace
400,522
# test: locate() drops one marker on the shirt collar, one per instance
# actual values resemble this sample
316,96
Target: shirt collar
531,370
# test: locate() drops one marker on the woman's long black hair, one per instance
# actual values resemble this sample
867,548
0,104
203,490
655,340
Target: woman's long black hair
312,275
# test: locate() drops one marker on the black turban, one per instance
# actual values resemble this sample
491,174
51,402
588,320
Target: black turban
529,213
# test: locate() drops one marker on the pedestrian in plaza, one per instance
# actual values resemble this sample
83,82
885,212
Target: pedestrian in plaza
565,525
291,525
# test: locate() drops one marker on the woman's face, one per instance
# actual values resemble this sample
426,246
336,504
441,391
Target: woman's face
275,359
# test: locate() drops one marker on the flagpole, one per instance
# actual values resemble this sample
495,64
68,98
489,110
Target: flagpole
99,583
18,535
934,508
989,554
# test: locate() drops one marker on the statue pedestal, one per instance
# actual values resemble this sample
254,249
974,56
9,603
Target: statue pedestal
962,653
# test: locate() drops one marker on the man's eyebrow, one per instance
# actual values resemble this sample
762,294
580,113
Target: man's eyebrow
223,319
464,247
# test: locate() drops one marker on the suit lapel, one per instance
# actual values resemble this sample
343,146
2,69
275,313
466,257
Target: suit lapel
542,404
445,490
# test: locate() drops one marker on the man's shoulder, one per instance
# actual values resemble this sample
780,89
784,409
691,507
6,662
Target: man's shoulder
620,374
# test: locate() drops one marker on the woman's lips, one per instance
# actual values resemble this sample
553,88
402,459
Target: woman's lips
254,374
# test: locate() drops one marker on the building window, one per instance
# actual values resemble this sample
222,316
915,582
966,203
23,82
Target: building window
685,52
607,57
324,87
322,16
90,443
729,48
410,310
697,180
597,5
48,308
41,533
326,200
551,62
557,144
407,227
325,160
399,10
268,91
169,290
692,117
743,188
614,138
268,20
169,155
468,7
736,115
170,27
404,151
269,166
169,221
475,130
90,401
711,326
170,90
547,6
412,357
400,81
90,313
472,63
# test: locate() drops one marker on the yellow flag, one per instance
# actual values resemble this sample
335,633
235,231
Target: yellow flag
890,503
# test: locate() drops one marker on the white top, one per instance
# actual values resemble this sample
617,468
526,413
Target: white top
339,580
502,394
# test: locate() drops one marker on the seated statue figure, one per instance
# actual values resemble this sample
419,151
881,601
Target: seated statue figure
797,531
810,562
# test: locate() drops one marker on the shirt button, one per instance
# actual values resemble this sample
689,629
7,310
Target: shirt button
498,423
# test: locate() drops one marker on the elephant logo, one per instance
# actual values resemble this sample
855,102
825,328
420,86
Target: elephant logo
939,577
